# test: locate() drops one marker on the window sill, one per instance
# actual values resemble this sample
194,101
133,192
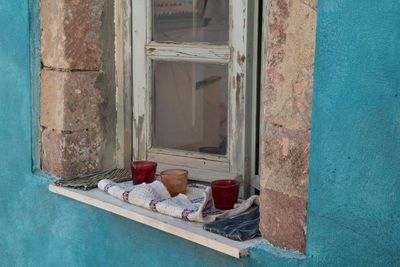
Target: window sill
186,230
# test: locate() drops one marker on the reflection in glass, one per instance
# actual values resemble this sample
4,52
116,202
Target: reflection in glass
190,106
191,21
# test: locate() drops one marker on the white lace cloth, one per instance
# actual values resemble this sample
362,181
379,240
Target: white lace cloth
196,205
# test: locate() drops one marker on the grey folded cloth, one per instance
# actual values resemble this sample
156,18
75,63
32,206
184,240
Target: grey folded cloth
87,182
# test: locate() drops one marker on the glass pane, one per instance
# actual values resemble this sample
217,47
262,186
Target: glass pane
191,21
190,106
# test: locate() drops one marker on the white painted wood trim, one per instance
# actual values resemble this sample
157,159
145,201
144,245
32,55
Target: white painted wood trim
204,163
148,13
123,68
140,79
237,89
189,154
186,230
201,175
219,54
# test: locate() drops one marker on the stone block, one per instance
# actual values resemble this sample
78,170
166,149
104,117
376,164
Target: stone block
70,101
71,34
311,3
285,160
283,220
66,154
290,63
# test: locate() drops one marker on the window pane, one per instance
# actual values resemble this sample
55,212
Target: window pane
191,21
190,106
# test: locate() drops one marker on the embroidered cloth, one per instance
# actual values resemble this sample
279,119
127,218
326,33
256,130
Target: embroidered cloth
196,205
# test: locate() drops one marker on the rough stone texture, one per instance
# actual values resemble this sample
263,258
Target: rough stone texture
283,220
71,34
287,114
67,154
70,101
286,160
77,86
290,63
310,3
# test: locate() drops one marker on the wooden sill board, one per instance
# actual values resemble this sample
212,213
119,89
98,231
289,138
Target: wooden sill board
187,230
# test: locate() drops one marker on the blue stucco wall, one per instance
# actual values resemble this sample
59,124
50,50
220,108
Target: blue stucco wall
354,195
354,189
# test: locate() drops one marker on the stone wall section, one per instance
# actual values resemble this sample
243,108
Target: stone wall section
75,87
286,110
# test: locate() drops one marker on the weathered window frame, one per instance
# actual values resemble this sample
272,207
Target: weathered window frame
133,44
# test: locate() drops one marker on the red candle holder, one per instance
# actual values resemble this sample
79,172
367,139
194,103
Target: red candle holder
225,193
143,171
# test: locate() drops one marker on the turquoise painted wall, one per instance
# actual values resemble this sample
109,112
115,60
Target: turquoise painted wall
354,196
354,190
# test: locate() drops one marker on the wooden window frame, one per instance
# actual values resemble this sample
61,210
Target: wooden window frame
135,49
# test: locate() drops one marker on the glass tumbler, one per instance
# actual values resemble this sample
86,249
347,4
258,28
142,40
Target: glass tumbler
143,171
175,180
225,193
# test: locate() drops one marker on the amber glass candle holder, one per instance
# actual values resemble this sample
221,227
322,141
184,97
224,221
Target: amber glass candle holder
175,180
225,193
143,172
